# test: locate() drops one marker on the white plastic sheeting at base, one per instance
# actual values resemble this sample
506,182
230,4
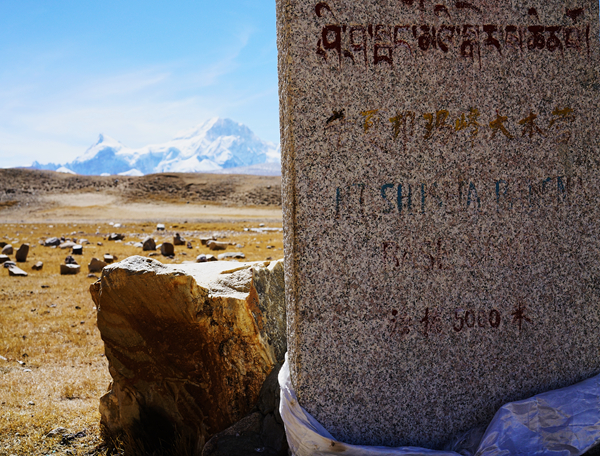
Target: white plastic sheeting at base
564,422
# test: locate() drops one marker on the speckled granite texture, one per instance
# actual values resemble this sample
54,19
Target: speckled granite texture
441,190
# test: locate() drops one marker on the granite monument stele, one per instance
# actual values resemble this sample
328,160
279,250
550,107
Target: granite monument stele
441,209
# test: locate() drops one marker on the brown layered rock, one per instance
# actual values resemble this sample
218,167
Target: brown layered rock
189,346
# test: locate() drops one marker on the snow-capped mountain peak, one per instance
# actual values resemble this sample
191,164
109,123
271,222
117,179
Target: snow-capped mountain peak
213,145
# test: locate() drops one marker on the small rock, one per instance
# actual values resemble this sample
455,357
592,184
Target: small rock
92,276
270,247
21,255
26,370
239,246
201,258
231,255
189,245
53,241
70,260
67,245
77,249
211,258
204,241
31,403
4,258
96,265
261,224
108,258
139,245
160,227
216,245
57,431
68,269
83,241
178,240
38,267
7,249
46,286
148,244
8,264
17,272
99,243
153,254
116,237
167,249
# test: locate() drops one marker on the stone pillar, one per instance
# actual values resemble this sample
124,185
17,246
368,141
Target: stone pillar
441,209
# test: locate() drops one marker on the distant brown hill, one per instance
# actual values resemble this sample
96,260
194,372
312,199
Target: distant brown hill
26,186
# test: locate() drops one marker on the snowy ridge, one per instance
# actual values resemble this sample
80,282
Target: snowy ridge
213,146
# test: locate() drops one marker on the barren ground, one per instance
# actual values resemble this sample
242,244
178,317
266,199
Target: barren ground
52,365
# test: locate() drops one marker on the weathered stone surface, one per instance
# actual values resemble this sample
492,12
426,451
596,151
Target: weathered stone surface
441,204
178,240
188,345
7,249
96,265
53,241
15,271
149,244
216,245
21,255
231,255
261,431
167,249
68,269
38,266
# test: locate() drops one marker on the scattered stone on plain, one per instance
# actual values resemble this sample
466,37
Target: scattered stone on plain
4,258
84,242
149,244
205,240
231,256
201,258
99,243
108,258
70,260
239,246
217,245
178,240
7,249
189,245
38,266
69,269
77,249
441,204
96,265
8,264
167,249
116,236
226,375
67,245
53,241
160,227
17,272
22,252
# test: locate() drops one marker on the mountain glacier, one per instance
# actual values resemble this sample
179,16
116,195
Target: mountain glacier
217,145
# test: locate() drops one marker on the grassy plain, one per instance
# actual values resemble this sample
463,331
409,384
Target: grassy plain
52,365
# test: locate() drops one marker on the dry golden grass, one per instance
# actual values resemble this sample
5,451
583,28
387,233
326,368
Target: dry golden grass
53,369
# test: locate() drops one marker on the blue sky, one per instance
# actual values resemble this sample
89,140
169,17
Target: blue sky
138,71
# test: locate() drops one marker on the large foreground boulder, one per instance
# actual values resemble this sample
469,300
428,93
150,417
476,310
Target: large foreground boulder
189,346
